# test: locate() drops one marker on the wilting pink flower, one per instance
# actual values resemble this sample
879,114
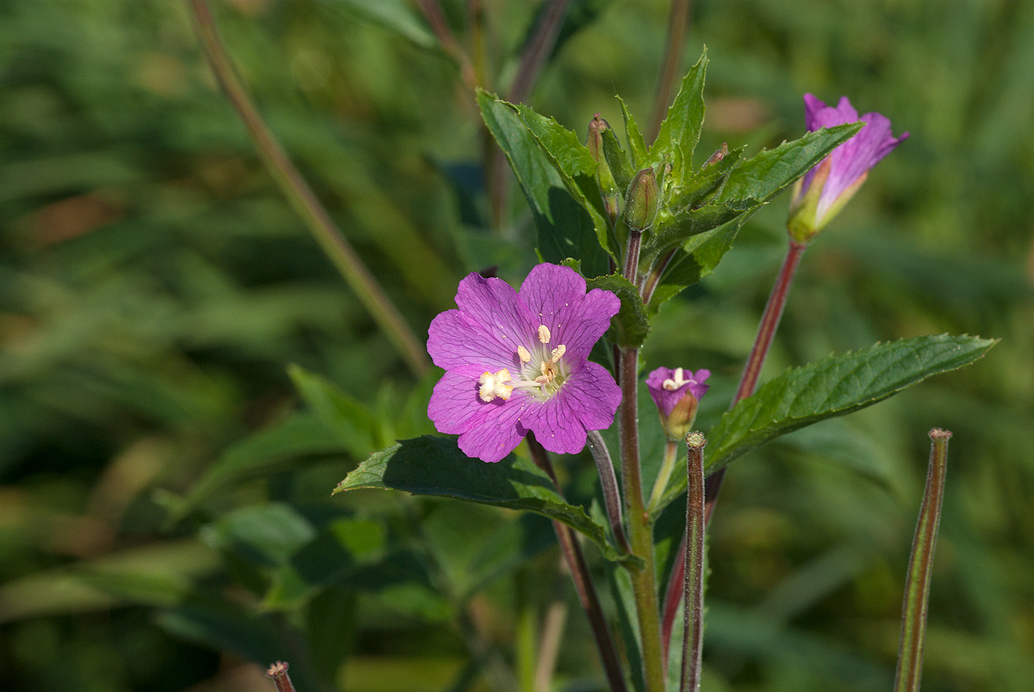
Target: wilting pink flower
517,362
676,393
826,188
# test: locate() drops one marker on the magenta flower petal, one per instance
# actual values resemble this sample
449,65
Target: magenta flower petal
517,362
841,173
676,393
454,340
556,295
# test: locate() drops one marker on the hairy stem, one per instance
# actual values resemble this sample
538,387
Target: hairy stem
644,580
582,579
302,198
693,565
678,27
609,484
920,564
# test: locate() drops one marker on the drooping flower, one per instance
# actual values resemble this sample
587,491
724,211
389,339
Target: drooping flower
826,188
518,362
676,393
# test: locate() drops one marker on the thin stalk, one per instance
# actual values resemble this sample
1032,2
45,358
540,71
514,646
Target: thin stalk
748,383
432,10
609,484
654,278
920,565
302,198
769,321
693,565
674,42
672,596
533,59
663,476
549,646
282,681
582,579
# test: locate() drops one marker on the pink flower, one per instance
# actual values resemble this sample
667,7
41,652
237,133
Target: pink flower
518,362
676,393
827,187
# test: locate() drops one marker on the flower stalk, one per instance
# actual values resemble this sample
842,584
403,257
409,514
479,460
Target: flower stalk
302,198
609,484
920,565
582,579
693,565
663,476
282,681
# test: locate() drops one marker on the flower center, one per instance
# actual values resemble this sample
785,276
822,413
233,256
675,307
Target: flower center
673,383
542,381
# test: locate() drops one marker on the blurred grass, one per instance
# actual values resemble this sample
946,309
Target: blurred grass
154,287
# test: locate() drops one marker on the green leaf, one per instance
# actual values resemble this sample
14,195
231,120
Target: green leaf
573,162
631,323
391,14
565,228
831,387
636,145
698,257
435,466
680,131
764,175
301,435
347,417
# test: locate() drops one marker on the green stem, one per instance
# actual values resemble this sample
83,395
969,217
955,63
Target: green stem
663,476
303,199
693,588
582,579
920,564
644,579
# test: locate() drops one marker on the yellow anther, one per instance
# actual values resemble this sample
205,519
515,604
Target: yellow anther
523,354
544,335
557,353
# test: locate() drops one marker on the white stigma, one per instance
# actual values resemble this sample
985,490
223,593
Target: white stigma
494,385
544,335
523,354
673,383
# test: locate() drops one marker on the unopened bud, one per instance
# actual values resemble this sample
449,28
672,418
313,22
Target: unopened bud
595,139
642,201
717,156
604,178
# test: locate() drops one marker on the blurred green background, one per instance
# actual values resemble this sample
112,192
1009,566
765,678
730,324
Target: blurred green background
165,519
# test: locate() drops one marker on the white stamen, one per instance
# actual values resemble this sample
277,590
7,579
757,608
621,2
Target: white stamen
544,335
523,354
671,384
557,353
494,385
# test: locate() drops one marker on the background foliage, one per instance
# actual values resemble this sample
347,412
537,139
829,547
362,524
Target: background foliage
165,519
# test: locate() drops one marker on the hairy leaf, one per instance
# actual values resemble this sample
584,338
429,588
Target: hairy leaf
631,323
831,387
435,466
680,130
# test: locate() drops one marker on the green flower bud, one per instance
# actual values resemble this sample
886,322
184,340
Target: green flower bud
604,178
642,201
